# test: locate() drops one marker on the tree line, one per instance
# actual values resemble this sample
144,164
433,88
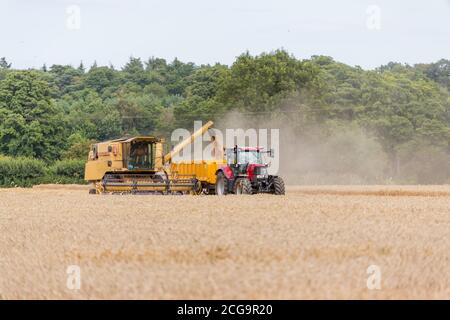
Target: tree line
398,114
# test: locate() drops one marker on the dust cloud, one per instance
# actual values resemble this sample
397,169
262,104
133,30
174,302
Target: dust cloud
331,152
337,152
317,154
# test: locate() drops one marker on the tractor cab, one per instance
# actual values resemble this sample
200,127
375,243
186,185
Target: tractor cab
249,161
238,155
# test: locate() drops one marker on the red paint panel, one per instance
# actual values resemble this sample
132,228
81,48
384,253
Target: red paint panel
227,171
251,170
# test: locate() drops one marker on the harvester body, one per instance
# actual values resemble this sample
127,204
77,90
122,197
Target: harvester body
138,165
137,154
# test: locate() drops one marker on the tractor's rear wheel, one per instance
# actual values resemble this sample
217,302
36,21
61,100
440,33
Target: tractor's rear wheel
242,186
278,185
221,184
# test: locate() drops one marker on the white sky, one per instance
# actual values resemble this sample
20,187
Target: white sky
209,31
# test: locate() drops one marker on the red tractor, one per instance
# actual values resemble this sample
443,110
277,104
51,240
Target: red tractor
246,173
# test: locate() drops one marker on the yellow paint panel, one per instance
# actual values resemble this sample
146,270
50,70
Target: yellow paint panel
205,170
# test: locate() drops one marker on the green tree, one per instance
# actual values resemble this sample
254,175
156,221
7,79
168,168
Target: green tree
257,84
134,72
139,113
199,104
101,78
78,147
30,123
66,78
156,64
438,72
176,76
91,117
398,110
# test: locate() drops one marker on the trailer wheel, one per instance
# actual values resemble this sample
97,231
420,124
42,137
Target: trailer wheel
278,184
242,186
221,184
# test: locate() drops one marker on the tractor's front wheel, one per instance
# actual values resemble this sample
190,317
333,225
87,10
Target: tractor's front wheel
242,186
221,184
278,185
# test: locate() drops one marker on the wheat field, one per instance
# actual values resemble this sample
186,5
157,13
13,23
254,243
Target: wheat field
313,243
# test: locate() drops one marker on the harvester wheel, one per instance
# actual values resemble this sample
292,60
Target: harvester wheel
159,177
99,189
221,184
92,191
278,184
242,186
198,188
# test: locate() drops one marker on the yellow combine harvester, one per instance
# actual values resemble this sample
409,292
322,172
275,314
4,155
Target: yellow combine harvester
137,165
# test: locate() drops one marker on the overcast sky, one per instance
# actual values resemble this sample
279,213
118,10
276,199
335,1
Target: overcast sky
368,33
